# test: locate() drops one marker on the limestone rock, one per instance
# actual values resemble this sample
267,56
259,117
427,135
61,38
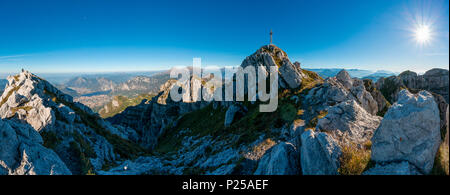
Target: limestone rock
345,79
409,131
382,103
21,153
319,154
281,159
349,121
290,75
435,80
339,89
38,111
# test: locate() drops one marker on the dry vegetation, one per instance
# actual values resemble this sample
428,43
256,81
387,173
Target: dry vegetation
354,160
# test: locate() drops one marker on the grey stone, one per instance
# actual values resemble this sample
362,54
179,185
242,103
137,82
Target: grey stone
281,159
409,131
319,154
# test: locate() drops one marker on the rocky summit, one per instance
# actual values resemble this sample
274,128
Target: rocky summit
334,126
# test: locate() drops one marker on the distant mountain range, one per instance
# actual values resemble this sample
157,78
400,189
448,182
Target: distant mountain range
355,73
97,91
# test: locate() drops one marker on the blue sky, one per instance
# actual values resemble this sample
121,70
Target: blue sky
109,35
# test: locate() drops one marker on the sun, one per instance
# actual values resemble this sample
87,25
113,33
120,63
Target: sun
423,34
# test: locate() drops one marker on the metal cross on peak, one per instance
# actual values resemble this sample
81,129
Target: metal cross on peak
271,33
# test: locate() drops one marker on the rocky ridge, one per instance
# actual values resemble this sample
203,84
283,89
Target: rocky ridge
55,132
333,126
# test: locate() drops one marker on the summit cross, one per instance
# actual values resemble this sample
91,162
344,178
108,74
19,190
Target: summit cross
271,33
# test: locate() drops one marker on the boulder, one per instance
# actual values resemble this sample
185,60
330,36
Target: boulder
344,78
409,132
291,74
319,154
281,159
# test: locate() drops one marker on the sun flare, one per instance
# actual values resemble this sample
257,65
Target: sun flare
423,34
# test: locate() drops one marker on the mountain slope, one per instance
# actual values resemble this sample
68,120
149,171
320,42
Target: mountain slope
120,103
81,140
97,91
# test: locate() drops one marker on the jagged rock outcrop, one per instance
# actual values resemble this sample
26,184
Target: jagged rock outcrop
319,154
344,78
346,124
334,91
409,132
435,80
349,123
382,103
281,159
150,118
290,75
22,153
346,116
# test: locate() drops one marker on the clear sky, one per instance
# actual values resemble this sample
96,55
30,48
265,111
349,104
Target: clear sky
129,35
